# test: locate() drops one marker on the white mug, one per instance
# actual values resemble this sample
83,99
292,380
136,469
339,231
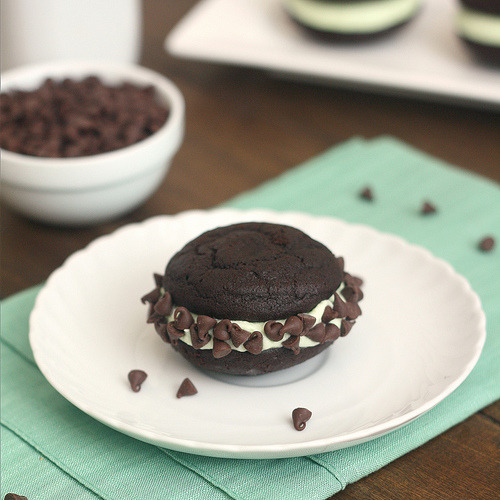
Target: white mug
46,30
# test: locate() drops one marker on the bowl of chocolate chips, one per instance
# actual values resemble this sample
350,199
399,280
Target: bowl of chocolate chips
84,143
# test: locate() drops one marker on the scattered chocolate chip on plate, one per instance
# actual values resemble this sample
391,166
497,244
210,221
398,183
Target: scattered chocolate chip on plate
300,416
187,388
136,378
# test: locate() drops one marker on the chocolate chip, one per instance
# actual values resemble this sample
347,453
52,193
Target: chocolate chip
164,305
254,344
152,297
345,327
136,378
352,293
307,322
174,333
14,496
199,331
339,306
487,244
292,343
204,324
187,388
182,318
328,314
366,194
222,329
220,349
299,417
238,335
153,316
428,208
317,333
332,332
293,325
352,310
352,280
198,340
272,329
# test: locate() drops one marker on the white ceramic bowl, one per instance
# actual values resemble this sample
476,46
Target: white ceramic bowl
91,189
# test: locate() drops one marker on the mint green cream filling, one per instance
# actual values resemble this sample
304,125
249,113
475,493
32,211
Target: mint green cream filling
358,17
479,27
250,326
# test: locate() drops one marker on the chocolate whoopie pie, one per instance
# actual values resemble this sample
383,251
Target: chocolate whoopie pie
253,298
478,25
351,20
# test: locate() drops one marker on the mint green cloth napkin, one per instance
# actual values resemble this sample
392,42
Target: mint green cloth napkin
50,449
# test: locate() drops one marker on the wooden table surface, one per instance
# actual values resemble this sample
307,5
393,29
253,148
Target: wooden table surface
245,127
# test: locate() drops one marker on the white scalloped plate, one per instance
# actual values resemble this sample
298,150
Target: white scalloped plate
420,335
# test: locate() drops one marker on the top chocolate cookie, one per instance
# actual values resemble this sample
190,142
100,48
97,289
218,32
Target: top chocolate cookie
252,271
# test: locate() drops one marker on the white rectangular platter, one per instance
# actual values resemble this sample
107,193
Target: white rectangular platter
425,58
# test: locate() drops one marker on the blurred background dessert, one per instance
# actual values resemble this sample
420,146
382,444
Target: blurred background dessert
352,20
478,25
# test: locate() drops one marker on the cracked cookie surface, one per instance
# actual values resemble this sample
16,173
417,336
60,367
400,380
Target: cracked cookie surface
252,271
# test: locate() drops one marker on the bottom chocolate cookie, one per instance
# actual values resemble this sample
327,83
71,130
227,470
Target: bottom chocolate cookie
489,54
245,363
347,37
